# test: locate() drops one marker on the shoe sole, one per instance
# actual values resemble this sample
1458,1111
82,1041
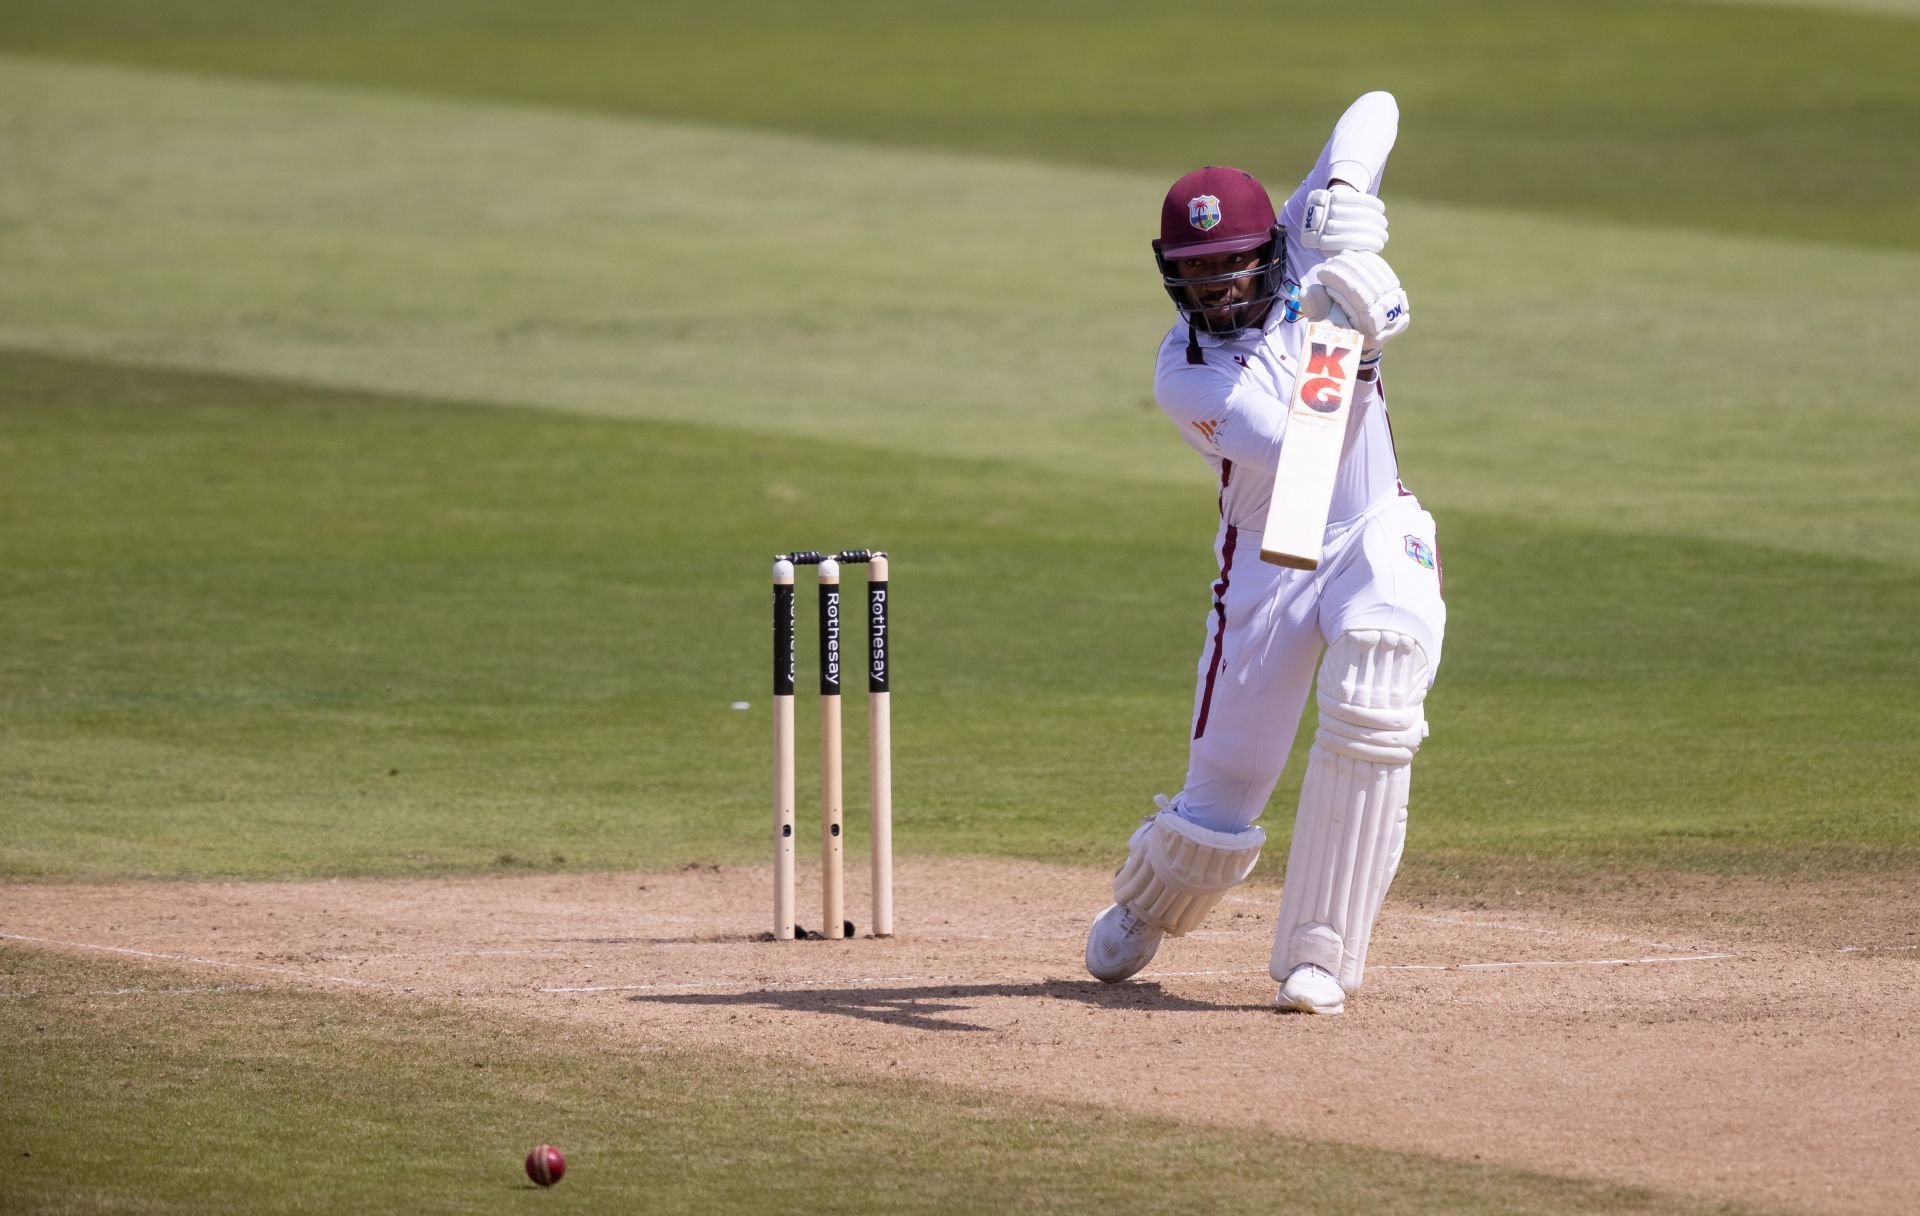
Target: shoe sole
1309,1007
1119,978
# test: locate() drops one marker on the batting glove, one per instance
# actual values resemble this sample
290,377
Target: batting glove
1343,220
1363,287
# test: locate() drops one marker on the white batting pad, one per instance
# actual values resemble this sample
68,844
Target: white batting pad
1176,870
1352,820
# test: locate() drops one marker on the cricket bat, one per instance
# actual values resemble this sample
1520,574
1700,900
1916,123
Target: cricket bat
1310,449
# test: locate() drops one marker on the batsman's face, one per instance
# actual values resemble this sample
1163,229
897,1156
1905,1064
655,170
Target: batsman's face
1219,282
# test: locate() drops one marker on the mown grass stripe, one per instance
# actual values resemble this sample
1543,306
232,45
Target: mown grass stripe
1712,116
1592,375
261,629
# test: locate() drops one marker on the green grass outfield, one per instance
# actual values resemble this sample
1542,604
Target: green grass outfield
269,626
265,630
398,410
1730,117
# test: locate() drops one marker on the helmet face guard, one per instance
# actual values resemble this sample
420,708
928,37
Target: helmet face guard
1269,275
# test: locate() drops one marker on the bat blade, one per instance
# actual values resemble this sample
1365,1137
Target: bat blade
1310,449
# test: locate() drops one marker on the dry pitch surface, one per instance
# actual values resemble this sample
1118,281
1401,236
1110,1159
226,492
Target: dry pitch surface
1733,1040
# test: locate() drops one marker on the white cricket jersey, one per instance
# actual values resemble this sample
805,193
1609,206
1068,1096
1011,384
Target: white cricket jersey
1231,404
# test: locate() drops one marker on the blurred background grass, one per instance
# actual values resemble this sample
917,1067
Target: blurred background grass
283,600
1753,118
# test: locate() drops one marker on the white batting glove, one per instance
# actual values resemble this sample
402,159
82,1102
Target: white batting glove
1317,305
1342,219
1363,287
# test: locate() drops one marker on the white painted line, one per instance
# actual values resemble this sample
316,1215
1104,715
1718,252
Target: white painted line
1558,962
186,958
1561,962
849,981
1463,922
453,954
866,981
856,981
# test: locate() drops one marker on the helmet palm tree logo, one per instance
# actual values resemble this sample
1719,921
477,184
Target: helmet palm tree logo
1203,212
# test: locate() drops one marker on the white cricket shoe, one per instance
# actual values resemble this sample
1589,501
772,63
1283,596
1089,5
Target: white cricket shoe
1120,943
1310,989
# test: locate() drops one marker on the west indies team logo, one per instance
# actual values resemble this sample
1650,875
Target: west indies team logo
1203,212
1420,551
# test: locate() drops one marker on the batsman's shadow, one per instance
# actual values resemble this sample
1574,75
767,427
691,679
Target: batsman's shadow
929,1006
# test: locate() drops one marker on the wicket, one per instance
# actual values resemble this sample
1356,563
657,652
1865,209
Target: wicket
879,741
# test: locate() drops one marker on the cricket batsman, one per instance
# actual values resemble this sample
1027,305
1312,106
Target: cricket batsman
1241,280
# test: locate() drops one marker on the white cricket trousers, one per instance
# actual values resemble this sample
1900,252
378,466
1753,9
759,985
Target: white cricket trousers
1266,631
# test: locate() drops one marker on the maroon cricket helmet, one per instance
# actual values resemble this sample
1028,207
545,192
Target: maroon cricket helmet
1219,209
1214,210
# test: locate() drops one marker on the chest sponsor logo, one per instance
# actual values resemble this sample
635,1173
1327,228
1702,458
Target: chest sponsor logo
1420,551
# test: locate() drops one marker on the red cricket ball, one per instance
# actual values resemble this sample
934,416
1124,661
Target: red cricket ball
545,1165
